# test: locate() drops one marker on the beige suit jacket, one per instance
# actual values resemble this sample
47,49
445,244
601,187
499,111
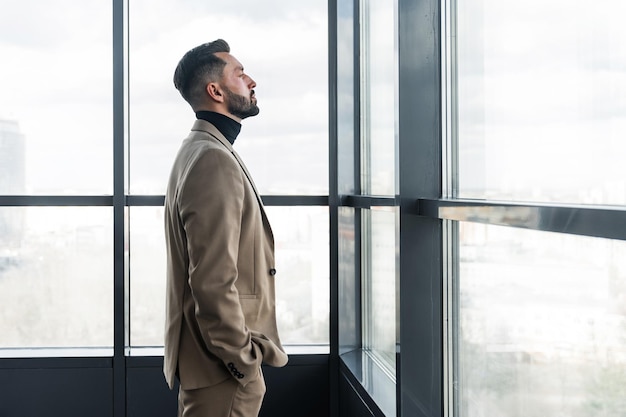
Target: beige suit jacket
220,319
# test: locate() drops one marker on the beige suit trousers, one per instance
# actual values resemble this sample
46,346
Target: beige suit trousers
226,399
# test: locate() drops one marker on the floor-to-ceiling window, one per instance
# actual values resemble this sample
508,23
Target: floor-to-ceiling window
537,120
89,125
56,124
285,147
513,246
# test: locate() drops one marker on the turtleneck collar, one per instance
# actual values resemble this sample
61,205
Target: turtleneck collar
228,127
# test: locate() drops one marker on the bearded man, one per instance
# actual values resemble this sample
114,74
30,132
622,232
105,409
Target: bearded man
220,315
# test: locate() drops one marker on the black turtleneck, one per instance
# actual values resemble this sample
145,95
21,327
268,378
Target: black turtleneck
228,127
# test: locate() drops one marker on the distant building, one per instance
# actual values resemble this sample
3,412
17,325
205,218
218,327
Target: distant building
12,182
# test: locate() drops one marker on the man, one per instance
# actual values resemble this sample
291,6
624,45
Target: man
220,320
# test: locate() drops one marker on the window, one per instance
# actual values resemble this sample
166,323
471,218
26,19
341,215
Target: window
55,107
541,323
536,111
368,222
541,100
290,72
285,147
56,261
301,245
378,97
56,265
86,146
302,264
379,286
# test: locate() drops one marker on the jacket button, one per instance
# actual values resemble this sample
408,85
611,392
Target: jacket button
272,272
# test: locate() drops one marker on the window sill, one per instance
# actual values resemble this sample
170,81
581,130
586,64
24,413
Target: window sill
373,378
290,349
51,352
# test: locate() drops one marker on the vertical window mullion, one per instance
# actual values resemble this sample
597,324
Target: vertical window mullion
119,211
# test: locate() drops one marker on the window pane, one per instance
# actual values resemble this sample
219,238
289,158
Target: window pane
286,146
56,277
378,98
56,106
147,276
349,283
345,97
379,289
302,282
541,324
542,100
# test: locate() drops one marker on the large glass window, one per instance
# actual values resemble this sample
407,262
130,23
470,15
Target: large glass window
57,273
537,104
285,147
541,100
147,276
375,364
56,102
378,97
541,323
380,328
379,286
56,124
302,282
345,97
56,265
349,287
283,46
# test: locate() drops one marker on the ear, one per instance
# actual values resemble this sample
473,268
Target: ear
215,92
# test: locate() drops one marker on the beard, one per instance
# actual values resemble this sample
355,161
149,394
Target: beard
240,106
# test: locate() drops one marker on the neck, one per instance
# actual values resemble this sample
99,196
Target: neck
227,126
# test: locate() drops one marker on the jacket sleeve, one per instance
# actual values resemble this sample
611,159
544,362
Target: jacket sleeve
211,207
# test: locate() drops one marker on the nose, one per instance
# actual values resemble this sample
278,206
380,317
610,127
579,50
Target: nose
251,82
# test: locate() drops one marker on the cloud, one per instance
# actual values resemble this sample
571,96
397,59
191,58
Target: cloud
43,25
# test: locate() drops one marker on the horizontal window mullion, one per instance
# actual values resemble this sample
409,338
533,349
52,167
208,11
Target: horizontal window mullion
295,200
268,200
366,202
141,200
55,200
587,220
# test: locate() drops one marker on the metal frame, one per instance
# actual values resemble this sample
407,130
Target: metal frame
597,221
333,206
120,327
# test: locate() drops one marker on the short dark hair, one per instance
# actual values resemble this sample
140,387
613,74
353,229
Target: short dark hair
197,68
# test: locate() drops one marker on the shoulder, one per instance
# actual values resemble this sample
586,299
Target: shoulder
201,145
209,166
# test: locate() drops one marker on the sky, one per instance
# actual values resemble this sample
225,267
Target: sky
541,87
542,100
59,81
